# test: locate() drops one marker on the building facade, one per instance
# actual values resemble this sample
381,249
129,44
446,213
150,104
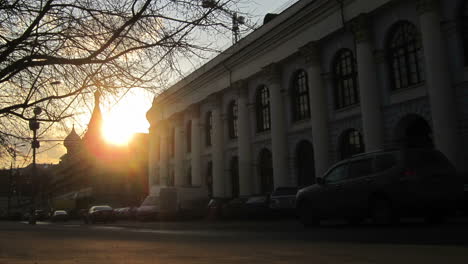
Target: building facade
320,82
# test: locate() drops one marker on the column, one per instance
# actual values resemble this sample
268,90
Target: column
440,89
196,146
278,126
368,87
153,156
179,177
243,141
217,149
163,153
318,108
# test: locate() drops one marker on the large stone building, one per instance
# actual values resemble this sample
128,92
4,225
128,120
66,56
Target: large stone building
320,82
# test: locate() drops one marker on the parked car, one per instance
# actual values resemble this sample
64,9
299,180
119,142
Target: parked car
149,209
283,201
258,207
40,215
383,185
215,208
100,213
235,208
59,215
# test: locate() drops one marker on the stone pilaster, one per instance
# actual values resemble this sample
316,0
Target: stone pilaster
318,108
153,156
243,149
368,87
194,113
179,175
279,142
163,153
219,177
439,85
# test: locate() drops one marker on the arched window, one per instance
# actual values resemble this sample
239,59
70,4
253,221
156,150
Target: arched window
345,76
188,134
234,166
265,169
351,143
208,128
300,96
405,56
262,100
232,119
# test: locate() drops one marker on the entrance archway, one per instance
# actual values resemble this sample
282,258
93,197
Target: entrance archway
413,131
305,164
265,170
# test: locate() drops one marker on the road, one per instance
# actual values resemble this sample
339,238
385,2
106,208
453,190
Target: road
231,242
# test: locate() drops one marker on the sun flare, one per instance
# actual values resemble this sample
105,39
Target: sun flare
125,119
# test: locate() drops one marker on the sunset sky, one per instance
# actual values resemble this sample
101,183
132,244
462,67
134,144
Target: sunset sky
127,115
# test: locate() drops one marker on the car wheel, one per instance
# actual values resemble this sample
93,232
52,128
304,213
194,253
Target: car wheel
306,217
382,212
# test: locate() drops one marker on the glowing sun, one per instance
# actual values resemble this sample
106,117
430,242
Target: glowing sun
125,119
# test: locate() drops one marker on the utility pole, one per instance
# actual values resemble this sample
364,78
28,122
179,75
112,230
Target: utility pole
34,126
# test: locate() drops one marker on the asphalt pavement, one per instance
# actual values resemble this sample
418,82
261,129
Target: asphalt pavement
282,241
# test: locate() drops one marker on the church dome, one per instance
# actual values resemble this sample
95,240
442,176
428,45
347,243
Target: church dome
72,139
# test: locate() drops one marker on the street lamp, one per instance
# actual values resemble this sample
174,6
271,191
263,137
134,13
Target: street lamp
34,126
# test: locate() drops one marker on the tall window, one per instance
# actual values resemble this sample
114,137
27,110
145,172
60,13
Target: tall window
405,56
188,134
189,176
208,128
300,97
172,143
345,75
170,180
265,170
235,176
209,178
262,100
232,119
351,143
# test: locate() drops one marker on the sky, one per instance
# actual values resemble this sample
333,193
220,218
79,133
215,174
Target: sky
127,115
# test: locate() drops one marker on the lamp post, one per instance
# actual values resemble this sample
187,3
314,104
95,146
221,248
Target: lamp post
34,126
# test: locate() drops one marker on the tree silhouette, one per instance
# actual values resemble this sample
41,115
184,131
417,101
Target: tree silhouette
55,53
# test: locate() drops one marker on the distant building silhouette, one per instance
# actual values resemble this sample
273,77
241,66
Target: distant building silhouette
94,172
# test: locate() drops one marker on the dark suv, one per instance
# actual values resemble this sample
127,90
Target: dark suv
383,185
